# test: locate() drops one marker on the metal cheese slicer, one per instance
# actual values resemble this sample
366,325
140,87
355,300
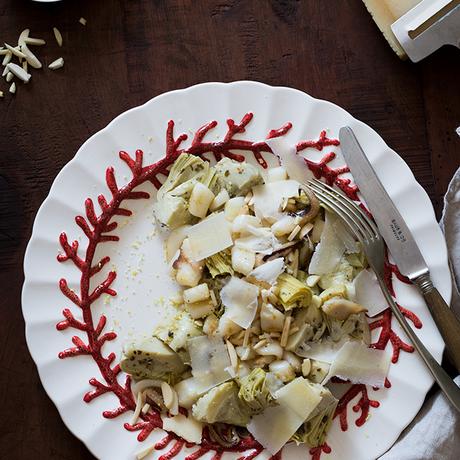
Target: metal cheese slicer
428,26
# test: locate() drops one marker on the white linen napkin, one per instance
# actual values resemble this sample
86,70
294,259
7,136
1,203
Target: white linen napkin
435,432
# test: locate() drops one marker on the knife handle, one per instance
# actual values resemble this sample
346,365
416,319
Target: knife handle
444,317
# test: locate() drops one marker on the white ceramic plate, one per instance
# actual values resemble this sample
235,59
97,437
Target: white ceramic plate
143,283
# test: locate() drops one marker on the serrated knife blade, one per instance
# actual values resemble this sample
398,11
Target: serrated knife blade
391,224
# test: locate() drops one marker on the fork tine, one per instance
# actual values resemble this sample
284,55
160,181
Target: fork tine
332,205
351,203
356,211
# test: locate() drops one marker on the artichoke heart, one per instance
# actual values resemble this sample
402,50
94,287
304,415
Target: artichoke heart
254,391
237,178
172,205
152,359
292,292
221,405
314,431
220,263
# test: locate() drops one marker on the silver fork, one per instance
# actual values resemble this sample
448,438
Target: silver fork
367,233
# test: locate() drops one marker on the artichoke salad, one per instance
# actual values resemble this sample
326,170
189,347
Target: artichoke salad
267,313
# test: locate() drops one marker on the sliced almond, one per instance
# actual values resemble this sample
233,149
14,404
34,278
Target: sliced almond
285,333
31,58
58,36
57,64
16,51
7,57
13,88
34,41
232,355
18,72
22,37
170,398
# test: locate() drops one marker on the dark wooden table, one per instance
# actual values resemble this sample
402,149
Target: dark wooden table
132,50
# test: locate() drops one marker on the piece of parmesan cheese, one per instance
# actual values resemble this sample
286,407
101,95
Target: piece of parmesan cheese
269,271
209,236
384,13
209,359
328,252
267,198
359,364
274,427
240,300
293,163
185,427
368,292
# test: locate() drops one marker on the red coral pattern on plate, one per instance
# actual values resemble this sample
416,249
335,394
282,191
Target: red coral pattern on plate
99,229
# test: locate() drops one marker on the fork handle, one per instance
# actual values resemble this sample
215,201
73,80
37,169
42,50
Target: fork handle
445,382
443,316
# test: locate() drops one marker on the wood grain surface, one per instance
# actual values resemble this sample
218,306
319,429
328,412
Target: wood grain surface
132,50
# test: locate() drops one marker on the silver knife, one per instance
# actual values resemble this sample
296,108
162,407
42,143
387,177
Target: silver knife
399,240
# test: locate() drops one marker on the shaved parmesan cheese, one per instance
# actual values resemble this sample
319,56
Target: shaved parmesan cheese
188,391
290,160
275,425
325,351
260,240
328,252
344,235
268,271
276,174
209,358
185,427
267,198
240,300
368,292
299,390
359,364
209,236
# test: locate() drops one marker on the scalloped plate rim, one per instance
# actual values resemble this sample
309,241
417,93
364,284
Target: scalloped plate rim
70,424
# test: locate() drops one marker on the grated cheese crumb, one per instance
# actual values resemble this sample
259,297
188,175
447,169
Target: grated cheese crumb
1,93
82,21
9,77
13,88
